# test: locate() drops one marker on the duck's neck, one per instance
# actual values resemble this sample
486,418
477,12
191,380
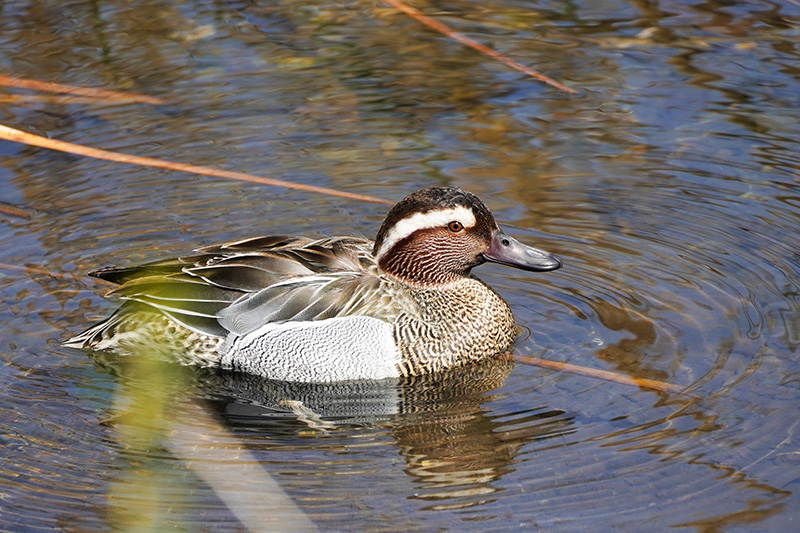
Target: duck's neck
422,271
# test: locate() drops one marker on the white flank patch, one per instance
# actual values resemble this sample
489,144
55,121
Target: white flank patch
336,349
431,219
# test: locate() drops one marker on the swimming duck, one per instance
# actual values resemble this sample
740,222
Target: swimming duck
331,309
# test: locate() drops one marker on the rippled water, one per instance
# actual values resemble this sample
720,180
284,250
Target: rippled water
670,185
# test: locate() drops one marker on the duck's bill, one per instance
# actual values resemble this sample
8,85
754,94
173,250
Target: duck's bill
509,251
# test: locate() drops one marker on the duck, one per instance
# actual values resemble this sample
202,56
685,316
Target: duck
331,309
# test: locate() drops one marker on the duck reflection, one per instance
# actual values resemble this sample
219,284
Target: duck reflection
451,444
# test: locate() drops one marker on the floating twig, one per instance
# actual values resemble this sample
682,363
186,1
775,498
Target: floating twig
606,375
51,87
420,17
57,99
11,134
16,212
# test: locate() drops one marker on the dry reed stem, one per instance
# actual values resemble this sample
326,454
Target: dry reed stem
472,43
221,459
51,87
16,212
58,99
14,135
605,375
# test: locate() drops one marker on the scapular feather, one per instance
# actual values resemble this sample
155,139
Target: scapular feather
241,286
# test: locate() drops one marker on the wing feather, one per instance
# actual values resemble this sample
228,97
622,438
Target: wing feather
241,286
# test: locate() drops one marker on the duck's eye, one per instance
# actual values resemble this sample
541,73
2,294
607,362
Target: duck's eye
455,226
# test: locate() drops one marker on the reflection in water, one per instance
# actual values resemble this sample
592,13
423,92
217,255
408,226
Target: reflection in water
451,446
453,449
457,457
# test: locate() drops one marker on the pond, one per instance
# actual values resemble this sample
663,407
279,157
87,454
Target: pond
669,185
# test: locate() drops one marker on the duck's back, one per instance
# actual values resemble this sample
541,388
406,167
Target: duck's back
231,297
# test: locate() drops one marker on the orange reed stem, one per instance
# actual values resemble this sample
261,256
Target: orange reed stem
472,43
80,91
606,375
11,134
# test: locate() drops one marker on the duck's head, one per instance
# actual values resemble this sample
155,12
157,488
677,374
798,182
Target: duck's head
439,234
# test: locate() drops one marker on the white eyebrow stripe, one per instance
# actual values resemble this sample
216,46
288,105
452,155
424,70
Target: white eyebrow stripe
431,219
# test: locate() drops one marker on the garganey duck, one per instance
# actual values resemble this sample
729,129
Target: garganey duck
332,309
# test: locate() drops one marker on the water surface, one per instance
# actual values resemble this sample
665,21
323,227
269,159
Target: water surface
670,185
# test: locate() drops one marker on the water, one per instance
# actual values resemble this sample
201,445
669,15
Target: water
670,186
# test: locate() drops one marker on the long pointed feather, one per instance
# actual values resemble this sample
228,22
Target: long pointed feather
241,286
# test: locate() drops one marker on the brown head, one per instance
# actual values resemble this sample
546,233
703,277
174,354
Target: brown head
439,234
